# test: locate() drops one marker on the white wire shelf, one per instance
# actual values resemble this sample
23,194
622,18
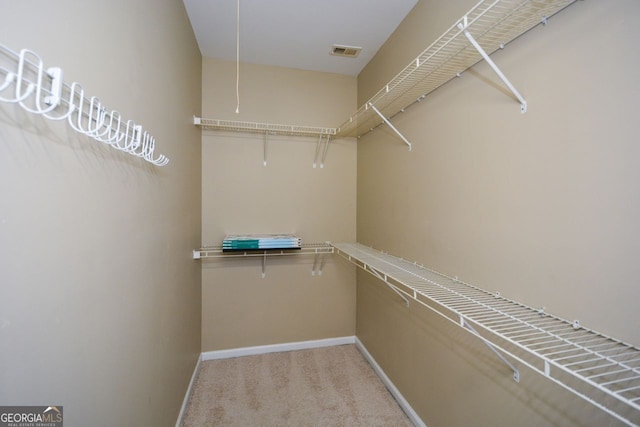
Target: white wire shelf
492,23
323,134
319,250
600,369
263,128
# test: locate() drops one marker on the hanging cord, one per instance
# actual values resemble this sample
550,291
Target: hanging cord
238,59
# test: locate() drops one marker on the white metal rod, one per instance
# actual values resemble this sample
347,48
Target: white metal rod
326,148
516,329
591,368
516,373
315,158
315,262
505,80
384,279
535,335
390,125
322,261
566,350
604,374
586,350
266,141
621,380
624,390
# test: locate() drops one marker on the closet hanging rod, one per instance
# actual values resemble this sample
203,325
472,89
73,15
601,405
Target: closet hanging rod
42,91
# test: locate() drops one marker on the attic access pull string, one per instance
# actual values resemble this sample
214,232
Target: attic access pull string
42,91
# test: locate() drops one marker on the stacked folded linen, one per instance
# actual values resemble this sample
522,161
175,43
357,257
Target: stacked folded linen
237,242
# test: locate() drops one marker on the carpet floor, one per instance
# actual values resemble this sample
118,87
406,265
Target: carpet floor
330,386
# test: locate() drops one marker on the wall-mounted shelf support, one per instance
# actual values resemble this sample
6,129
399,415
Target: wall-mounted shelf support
324,151
318,263
390,125
464,27
603,371
266,142
465,324
264,265
319,250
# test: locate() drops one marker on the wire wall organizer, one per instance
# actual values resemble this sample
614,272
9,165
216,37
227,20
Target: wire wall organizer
26,82
599,369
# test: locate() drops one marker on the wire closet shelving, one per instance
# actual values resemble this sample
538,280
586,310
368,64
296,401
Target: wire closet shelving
322,133
319,250
600,369
40,90
490,25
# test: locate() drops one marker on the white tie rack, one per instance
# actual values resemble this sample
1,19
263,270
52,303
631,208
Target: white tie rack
601,370
26,82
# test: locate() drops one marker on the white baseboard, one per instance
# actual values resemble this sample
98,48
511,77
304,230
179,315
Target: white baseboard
413,416
275,348
187,395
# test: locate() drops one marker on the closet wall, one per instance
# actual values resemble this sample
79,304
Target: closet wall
542,207
241,195
99,296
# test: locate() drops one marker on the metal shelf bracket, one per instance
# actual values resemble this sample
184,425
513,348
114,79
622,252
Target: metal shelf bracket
266,142
318,264
464,27
406,141
324,150
465,324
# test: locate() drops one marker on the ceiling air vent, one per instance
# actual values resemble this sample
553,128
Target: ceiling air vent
350,51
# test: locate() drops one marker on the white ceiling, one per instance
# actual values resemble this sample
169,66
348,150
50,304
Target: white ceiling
296,33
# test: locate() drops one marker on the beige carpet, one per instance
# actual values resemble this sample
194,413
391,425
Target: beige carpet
331,386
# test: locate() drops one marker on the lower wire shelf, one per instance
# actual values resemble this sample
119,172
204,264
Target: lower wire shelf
319,250
602,370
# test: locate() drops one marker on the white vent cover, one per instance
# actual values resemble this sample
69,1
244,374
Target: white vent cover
341,50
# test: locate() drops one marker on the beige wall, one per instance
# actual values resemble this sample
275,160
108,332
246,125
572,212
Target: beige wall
99,296
542,207
240,195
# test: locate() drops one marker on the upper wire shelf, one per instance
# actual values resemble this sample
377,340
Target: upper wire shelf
322,133
492,23
26,82
264,128
602,370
